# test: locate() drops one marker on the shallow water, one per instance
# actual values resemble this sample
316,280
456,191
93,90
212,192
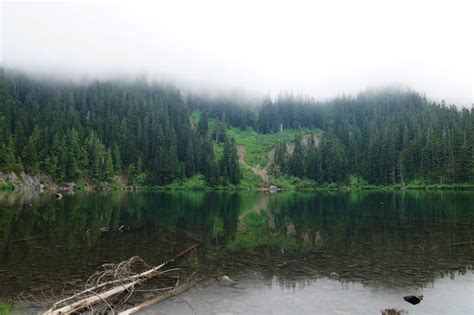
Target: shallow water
281,248
318,296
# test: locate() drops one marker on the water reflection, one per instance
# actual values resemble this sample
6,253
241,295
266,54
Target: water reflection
412,239
321,296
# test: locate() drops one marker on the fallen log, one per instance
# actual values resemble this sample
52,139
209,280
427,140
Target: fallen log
123,284
96,298
160,298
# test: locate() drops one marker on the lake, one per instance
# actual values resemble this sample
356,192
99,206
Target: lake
289,252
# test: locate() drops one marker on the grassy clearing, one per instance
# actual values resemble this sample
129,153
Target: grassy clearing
249,180
258,145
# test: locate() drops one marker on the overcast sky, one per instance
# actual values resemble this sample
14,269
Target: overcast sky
318,48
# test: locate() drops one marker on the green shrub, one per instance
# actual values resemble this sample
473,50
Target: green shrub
195,182
6,185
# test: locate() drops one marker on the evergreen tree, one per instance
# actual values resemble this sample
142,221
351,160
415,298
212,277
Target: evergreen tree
97,130
30,152
203,125
229,164
295,164
9,160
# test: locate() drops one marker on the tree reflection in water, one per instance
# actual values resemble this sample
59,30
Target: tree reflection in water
415,237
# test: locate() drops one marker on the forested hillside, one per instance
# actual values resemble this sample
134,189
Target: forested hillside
145,131
384,137
97,130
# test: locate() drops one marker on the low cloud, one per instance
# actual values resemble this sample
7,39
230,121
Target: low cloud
315,48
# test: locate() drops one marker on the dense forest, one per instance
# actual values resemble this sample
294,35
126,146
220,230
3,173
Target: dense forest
386,136
97,130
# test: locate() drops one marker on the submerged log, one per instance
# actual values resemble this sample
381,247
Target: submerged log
160,298
393,311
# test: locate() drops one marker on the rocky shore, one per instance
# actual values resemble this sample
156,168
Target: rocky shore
27,182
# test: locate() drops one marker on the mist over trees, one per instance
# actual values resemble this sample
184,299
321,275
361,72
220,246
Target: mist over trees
384,136
98,130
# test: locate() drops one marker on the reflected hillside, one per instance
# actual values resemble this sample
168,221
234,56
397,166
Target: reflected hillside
377,238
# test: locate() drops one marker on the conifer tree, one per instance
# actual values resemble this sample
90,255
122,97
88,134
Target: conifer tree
229,164
203,125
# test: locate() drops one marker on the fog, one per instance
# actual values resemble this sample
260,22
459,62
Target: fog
318,48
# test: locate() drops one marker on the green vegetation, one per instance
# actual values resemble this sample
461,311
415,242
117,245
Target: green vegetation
4,308
196,182
258,145
93,132
326,225
154,137
249,180
6,185
257,233
286,182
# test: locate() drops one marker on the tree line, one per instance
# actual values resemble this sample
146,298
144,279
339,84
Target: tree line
385,136
97,130
146,131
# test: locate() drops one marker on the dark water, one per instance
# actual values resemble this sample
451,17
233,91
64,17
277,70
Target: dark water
281,248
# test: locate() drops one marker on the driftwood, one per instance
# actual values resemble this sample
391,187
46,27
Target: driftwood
84,303
160,298
120,285
147,274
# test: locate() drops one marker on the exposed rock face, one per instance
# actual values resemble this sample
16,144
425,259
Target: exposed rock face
22,182
40,182
306,140
27,182
69,187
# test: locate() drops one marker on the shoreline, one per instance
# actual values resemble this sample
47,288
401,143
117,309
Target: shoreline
44,183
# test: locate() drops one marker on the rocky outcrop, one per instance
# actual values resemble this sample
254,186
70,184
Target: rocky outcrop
28,182
22,181
306,140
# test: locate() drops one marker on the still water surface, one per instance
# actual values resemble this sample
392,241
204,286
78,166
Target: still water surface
300,253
